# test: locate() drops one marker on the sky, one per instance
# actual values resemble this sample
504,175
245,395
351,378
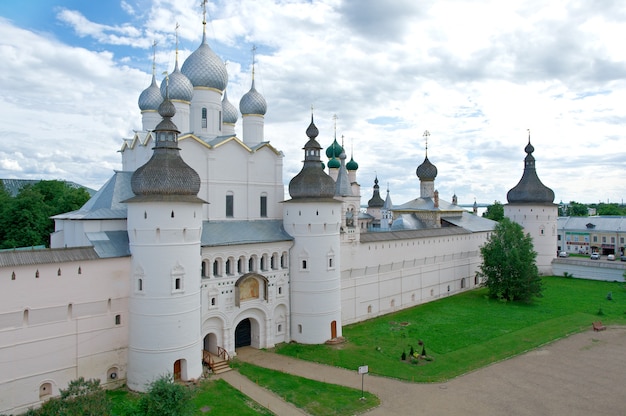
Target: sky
479,76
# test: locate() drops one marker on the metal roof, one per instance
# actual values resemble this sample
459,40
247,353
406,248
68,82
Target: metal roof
225,233
31,257
410,234
592,224
109,244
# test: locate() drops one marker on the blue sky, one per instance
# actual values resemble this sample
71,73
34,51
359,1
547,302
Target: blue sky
477,75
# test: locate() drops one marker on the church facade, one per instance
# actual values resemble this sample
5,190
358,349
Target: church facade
194,247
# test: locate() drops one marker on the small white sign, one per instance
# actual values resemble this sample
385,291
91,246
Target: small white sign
363,369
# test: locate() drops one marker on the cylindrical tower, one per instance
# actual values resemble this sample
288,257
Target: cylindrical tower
313,217
164,229
531,205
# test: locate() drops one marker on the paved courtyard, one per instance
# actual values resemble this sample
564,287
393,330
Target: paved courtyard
584,374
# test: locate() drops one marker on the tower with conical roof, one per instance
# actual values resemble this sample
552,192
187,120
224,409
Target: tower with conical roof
313,218
531,205
386,212
164,224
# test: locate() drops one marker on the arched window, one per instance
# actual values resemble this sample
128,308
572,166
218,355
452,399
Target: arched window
263,206
230,205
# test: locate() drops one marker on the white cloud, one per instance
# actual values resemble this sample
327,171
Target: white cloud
477,75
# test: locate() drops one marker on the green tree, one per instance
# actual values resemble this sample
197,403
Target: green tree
166,398
494,211
576,209
25,219
608,209
508,269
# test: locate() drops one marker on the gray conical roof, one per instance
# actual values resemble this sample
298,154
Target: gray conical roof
529,189
312,181
165,176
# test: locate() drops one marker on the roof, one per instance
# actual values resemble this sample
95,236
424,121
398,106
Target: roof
426,204
30,257
611,223
410,234
108,244
106,203
225,233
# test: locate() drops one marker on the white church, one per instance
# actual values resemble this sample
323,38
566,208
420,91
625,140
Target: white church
191,249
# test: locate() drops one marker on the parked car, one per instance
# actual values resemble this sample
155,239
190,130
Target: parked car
562,253
622,258
611,257
595,256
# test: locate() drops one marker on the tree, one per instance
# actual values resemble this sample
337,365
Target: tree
495,211
509,270
81,397
25,219
576,209
166,398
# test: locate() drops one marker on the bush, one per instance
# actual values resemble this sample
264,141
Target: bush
166,398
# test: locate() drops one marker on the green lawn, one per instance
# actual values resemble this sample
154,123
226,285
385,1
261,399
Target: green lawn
314,397
468,331
211,397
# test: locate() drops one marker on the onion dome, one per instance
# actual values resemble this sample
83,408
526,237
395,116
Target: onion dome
253,102
530,190
334,150
179,86
376,201
426,171
352,165
151,97
334,163
204,68
312,181
165,175
230,114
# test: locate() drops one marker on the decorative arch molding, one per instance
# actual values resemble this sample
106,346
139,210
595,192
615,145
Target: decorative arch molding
251,286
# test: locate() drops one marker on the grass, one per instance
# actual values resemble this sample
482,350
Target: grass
314,397
211,397
468,331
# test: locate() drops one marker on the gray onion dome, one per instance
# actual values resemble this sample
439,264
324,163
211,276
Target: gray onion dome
312,181
150,98
205,69
180,87
229,111
253,102
530,190
166,174
376,201
426,171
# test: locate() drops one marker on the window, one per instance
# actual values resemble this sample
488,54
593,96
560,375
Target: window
204,118
280,290
230,205
240,265
604,239
212,301
216,268
140,285
299,328
204,274
229,267
118,319
303,264
280,328
263,206
45,391
251,264
177,283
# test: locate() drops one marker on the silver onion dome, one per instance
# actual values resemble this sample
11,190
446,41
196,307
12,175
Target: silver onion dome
229,111
530,189
180,88
150,98
205,69
253,102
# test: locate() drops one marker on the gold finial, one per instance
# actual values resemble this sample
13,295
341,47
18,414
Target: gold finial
176,35
204,2
426,135
154,43
253,59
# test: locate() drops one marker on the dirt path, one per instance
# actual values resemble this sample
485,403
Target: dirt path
584,374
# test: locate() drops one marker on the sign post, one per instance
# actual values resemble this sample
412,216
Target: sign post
362,371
